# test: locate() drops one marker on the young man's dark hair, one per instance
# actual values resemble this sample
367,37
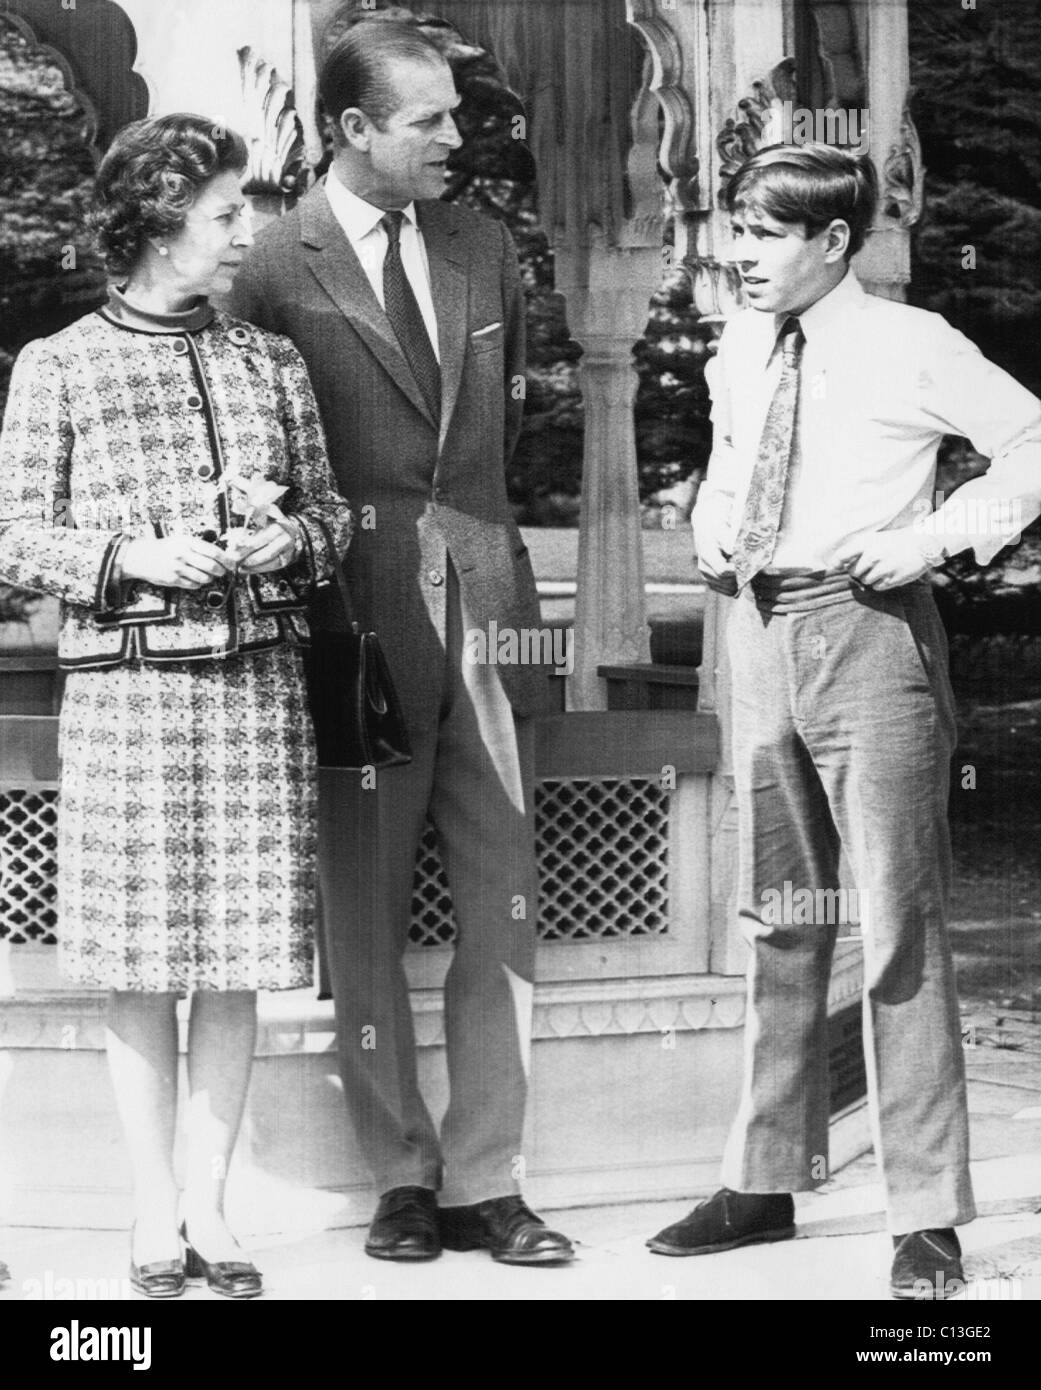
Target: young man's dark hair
355,71
811,185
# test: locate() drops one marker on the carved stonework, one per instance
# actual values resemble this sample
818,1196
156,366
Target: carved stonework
272,130
602,1008
666,79
758,122
597,1009
716,288
903,174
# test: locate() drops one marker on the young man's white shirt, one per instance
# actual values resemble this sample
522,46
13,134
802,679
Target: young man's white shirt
880,384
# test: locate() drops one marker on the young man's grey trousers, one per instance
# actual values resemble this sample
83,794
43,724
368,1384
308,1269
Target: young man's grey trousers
843,729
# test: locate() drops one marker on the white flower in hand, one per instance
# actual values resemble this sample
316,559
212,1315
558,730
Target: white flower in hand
254,500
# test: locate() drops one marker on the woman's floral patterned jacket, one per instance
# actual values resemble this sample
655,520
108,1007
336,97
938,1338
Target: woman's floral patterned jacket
125,425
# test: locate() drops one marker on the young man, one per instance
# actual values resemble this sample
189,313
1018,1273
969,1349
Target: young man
410,315
818,513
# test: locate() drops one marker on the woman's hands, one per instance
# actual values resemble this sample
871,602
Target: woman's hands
258,549
188,562
273,547
175,562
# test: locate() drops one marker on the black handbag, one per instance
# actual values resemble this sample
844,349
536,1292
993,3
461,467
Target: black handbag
357,718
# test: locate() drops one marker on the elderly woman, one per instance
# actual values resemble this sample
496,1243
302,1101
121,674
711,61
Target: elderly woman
163,471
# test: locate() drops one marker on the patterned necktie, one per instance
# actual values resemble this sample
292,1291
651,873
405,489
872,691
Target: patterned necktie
407,320
757,535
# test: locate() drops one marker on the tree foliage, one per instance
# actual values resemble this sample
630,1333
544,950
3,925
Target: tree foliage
976,253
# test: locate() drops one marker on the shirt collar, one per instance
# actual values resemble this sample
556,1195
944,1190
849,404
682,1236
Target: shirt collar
827,314
356,216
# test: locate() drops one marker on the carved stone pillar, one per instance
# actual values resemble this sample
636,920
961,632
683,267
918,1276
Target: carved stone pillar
885,263
607,276
607,295
608,289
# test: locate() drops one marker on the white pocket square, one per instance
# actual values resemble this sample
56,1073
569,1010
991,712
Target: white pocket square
480,332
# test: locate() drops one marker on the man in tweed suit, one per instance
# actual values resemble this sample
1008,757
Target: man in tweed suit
410,315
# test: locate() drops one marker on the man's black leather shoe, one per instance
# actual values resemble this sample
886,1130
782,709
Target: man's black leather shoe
506,1227
727,1220
405,1226
925,1263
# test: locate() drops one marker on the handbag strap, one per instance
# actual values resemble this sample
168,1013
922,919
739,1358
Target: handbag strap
337,568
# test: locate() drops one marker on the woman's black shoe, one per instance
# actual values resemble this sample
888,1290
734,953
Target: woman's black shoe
232,1278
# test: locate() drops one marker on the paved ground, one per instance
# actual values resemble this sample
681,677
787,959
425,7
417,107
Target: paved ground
842,1251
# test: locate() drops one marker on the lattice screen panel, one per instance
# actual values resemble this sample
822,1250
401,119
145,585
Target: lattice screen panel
27,867
602,851
603,864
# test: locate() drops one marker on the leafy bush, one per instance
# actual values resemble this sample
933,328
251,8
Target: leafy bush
975,74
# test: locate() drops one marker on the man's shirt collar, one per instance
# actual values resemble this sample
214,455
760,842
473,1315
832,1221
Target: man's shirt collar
827,314
356,216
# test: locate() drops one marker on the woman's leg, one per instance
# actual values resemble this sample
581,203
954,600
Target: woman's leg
142,1057
221,1037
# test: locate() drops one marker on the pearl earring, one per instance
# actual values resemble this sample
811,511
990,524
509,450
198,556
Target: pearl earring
164,251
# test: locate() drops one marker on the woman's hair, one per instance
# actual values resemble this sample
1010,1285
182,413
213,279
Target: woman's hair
151,175
809,184
355,70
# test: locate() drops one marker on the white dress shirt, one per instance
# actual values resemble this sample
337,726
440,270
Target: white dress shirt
880,384
361,223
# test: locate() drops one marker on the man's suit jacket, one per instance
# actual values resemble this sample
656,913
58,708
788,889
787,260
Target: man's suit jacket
420,494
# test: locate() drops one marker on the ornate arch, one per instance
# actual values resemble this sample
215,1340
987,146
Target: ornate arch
672,89
89,116
96,46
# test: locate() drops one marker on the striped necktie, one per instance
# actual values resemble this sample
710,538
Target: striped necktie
761,521
401,307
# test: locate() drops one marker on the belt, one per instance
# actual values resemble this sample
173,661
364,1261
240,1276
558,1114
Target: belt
795,592
798,591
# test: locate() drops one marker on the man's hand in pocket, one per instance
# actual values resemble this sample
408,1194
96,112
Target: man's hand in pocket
715,567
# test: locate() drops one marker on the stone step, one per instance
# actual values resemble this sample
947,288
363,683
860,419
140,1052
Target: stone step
633,1085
